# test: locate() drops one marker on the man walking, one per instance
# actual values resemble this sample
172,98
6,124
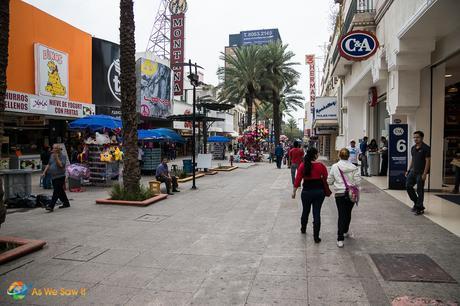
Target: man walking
56,167
279,153
418,171
363,149
354,153
162,174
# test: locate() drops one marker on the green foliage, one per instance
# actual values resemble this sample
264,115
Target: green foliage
119,193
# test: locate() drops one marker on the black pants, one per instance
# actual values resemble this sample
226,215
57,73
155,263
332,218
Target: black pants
279,159
315,198
168,181
59,192
384,167
344,208
457,178
416,197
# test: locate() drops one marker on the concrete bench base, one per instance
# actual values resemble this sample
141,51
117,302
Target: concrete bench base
133,203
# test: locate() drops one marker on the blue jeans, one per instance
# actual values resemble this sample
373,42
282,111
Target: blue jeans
315,198
416,197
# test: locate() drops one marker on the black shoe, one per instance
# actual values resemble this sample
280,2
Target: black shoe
303,230
413,209
419,212
175,190
49,208
64,206
317,240
170,193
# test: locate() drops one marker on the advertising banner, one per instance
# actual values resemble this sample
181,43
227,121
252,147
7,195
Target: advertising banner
177,51
326,108
398,160
259,37
154,88
51,72
19,102
106,73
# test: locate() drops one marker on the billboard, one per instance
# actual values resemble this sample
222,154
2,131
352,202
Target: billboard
259,37
326,108
153,88
106,74
177,51
51,72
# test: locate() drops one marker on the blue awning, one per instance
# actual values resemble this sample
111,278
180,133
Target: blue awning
218,139
96,123
170,134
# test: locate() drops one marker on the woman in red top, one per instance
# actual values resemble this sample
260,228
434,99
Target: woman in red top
295,156
313,175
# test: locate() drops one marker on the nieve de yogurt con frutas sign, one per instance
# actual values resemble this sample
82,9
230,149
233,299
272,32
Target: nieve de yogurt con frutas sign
397,146
358,45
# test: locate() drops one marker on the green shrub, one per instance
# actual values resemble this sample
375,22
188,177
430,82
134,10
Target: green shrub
119,193
183,175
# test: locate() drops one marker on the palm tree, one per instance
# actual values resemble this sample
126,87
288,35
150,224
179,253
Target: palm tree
291,124
240,77
131,171
278,75
4,36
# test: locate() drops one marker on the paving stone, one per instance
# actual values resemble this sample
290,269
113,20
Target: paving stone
335,290
81,253
116,256
90,272
107,295
132,277
279,287
149,297
284,265
180,281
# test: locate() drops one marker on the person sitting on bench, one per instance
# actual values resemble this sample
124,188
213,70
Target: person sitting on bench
162,174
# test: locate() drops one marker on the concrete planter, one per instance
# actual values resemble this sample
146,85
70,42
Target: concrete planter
189,178
209,172
225,168
147,202
25,247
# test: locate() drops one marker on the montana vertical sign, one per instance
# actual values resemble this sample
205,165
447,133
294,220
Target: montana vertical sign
358,45
177,51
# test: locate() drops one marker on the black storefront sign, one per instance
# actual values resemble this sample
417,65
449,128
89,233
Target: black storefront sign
106,77
398,152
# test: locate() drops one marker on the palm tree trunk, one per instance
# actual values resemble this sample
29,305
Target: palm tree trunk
4,36
276,118
131,170
249,104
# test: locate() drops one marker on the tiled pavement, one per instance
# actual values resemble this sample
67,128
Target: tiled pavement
234,241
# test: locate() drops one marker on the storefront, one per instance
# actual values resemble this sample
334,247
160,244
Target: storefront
325,125
48,78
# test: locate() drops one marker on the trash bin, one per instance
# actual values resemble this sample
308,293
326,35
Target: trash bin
187,165
373,161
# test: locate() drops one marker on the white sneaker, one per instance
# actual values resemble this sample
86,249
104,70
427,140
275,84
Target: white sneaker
340,244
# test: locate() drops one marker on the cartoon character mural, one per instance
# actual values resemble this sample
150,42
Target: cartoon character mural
54,85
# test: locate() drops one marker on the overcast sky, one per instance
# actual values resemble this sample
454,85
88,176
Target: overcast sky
303,24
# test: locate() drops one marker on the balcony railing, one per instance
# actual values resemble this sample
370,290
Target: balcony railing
356,7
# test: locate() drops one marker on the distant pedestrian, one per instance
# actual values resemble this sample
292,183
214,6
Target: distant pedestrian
314,175
279,153
295,156
340,170
140,156
373,146
45,158
418,171
354,152
56,168
384,156
363,147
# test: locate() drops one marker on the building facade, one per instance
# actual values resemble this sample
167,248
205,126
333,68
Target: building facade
413,78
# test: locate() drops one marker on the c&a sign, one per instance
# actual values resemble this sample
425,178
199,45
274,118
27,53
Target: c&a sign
177,51
358,45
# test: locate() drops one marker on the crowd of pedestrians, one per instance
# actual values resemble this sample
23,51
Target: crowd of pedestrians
345,177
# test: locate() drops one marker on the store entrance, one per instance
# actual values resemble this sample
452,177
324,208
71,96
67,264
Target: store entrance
451,119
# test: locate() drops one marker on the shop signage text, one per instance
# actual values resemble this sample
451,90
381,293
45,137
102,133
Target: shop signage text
177,51
397,146
358,45
32,104
258,37
326,108
310,60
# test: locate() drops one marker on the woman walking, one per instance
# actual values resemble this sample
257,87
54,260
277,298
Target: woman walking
340,171
314,190
56,167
